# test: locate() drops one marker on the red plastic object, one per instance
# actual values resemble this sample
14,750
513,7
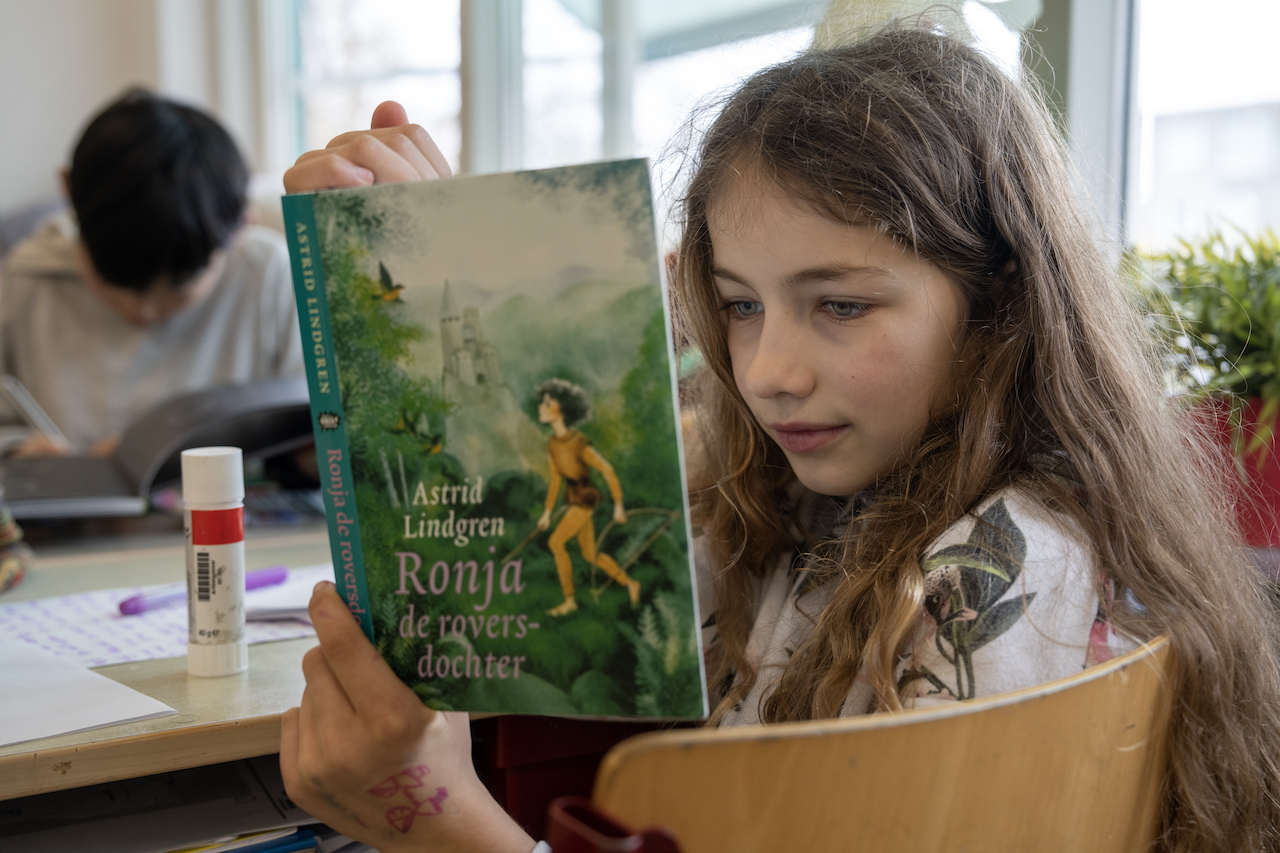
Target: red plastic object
575,825
1258,473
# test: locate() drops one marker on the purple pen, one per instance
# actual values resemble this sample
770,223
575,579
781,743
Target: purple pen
269,576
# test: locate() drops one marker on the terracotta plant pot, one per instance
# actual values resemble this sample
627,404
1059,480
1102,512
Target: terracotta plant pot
1258,472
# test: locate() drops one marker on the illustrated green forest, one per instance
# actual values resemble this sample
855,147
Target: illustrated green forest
607,658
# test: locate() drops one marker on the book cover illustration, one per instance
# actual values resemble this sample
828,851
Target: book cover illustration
494,410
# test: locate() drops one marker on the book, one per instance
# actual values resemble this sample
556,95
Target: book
494,404
263,418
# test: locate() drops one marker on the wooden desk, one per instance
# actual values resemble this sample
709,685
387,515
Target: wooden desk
525,761
218,719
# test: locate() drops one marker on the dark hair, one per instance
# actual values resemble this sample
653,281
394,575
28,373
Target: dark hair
157,187
575,403
1054,392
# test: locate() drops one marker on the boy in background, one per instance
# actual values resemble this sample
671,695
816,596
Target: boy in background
156,289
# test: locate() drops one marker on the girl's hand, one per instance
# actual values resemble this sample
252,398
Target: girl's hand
365,756
390,152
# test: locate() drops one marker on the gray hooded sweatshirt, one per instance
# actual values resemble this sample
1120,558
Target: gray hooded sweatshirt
94,373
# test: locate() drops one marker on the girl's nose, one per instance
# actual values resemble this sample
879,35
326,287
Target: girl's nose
780,363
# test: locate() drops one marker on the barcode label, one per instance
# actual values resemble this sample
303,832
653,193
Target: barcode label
204,573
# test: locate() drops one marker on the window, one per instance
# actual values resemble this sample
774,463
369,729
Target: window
563,76
354,54
1206,125
669,88
584,101
586,79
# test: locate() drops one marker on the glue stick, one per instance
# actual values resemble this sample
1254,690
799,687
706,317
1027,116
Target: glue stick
213,506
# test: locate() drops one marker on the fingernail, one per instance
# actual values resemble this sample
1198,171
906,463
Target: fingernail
323,586
366,176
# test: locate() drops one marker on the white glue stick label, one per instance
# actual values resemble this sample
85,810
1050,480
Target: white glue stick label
215,576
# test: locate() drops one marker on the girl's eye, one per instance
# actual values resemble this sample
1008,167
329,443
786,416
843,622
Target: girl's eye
745,309
845,310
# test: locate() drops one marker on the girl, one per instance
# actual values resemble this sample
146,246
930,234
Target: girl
943,466
563,406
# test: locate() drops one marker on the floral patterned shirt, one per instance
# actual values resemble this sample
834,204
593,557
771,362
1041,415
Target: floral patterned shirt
1011,601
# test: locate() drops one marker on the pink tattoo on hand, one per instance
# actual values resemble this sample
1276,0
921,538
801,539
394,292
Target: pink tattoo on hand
409,782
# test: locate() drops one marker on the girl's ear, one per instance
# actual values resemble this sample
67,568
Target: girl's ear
985,298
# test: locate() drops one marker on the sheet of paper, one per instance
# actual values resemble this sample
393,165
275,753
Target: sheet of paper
87,628
286,600
42,695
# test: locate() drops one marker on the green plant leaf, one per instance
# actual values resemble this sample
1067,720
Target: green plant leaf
1214,309
593,692
526,694
994,622
981,562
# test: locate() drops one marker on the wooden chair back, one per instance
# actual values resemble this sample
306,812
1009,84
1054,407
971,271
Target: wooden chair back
1077,764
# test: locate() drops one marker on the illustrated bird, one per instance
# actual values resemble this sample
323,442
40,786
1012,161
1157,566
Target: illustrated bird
390,290
418,428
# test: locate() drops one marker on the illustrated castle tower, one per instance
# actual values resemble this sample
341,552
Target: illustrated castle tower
469,359
487,431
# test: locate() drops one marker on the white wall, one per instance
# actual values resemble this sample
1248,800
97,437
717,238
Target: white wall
59,61
62,60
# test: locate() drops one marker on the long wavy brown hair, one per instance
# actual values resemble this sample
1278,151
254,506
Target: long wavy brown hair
1056,392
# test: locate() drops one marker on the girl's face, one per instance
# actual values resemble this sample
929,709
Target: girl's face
548,409
841,340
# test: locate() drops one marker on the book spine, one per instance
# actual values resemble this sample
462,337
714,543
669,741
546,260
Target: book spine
328,422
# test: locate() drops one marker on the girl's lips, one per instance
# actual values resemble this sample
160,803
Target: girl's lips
804,438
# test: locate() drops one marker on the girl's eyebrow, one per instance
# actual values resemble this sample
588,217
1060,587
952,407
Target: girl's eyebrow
813,274
721,272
